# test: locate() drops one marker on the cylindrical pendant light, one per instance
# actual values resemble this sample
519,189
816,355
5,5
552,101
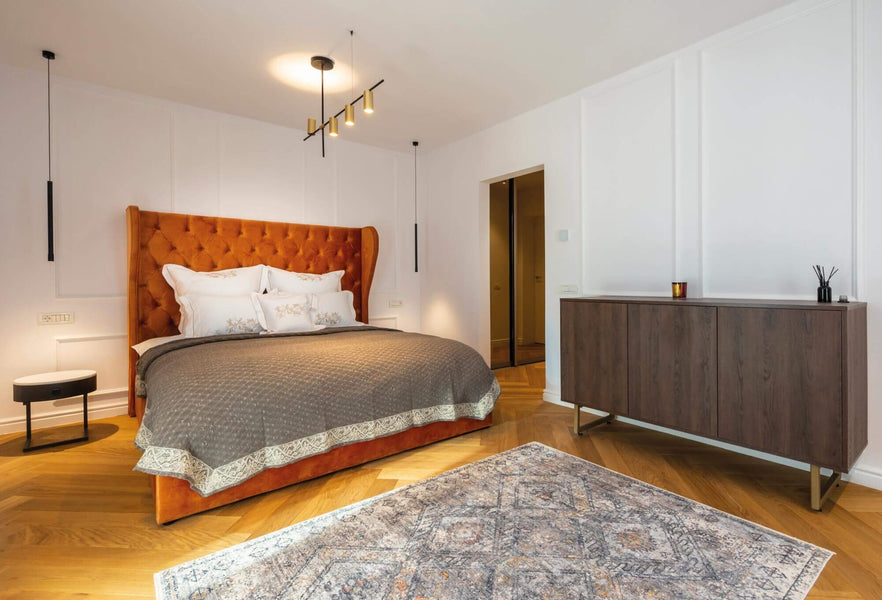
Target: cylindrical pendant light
416,227
368,101
310,126
350,115
332,127
50,218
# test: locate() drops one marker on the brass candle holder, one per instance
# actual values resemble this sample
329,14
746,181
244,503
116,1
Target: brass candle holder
678,289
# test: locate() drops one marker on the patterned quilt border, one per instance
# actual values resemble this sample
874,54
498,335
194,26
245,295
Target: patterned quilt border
206,480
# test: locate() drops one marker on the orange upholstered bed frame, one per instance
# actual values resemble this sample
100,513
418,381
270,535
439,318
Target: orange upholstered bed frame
214,243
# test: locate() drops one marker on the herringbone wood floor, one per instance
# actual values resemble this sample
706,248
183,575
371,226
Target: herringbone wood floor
77,521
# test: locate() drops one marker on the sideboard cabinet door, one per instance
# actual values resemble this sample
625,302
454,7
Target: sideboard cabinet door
780,382
594,355
672,364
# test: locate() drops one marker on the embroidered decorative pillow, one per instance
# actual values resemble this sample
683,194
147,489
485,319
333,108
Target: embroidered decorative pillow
229,282
302,283
334,310
279,312
218,315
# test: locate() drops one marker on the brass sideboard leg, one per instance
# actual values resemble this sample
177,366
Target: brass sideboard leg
819,491
578,428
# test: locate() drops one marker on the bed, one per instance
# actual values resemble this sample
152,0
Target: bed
216,243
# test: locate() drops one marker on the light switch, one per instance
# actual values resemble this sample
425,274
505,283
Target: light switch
563,235
395,303
569,289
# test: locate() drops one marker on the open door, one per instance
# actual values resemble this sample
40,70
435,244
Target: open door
517,270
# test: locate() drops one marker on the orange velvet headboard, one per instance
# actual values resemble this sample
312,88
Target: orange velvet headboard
214,243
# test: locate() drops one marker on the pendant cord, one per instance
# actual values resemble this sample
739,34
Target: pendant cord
49,113
351,63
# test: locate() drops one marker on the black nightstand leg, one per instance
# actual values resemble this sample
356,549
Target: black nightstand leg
28,425
84,438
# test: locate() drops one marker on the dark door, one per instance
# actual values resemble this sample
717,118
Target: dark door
594,355
672,363
780,382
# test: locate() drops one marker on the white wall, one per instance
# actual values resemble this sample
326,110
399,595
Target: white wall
112,149
733,164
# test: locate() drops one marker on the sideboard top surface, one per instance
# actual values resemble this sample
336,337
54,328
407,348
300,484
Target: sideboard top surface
727,302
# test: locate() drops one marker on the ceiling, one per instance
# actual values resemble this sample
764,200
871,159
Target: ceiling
451,67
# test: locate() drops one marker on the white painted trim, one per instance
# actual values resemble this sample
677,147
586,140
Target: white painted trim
858,475
702,175
64,417
872,478
392,321
675,186
67,339
859,181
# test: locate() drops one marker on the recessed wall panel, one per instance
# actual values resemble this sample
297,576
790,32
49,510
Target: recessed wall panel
777,157
109,152
628,169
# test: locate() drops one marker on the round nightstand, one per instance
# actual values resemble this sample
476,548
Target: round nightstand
54,386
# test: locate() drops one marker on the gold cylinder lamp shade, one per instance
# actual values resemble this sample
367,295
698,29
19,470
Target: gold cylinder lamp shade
310,126
350,115
368,101
332,127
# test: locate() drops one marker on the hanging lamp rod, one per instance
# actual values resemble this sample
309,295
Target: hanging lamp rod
325,124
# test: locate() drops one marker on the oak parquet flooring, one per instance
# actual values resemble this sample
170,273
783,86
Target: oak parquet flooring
76,522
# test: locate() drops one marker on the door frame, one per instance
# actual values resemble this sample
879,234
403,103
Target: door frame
484,224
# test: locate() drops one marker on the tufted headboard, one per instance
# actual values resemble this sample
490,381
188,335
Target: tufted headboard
214,243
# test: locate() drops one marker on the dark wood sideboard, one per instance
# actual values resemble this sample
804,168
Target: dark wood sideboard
784,377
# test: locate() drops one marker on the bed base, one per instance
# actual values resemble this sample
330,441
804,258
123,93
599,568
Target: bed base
174,499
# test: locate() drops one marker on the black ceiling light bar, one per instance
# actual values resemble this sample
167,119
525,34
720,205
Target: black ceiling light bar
50,220
322,64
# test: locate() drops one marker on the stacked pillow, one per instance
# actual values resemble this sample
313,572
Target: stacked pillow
233,300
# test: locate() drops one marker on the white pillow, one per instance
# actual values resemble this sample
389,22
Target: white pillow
153,342
217,315
284,312
302,283
334,310
228,282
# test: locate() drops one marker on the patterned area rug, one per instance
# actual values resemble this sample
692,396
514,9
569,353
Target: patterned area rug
532,522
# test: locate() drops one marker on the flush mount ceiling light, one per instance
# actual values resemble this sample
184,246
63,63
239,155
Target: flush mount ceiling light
323,64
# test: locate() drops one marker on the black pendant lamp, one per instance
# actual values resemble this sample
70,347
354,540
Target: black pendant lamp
49,56
416,237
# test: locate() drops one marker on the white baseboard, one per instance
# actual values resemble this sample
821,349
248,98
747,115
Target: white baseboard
64,416
866,476
872,478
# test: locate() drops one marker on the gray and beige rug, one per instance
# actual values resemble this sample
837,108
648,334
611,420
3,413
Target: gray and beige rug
532,522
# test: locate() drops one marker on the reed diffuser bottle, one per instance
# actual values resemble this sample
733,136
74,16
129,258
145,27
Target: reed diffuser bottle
825,292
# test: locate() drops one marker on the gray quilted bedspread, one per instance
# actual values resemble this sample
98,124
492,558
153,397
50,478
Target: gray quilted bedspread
224,408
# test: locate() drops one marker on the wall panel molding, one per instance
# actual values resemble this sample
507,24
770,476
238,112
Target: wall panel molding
838,237
105,353
630,127
859,181
385,321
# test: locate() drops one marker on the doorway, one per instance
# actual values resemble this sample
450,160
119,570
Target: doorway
517,270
